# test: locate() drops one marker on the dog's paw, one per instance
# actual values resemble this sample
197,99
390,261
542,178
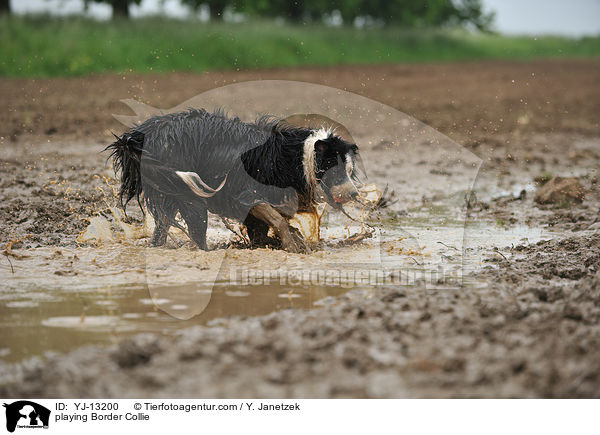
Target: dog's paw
296,243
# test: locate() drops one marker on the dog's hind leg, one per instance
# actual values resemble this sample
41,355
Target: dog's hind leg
161,229
196,217
290,241
258,233
163,211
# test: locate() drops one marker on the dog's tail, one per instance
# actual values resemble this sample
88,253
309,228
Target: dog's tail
159,178
126,154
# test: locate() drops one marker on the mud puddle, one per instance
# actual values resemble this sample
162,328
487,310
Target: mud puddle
60,306
61,321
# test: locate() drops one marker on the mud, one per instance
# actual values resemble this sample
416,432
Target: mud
530,334
471,101
523,324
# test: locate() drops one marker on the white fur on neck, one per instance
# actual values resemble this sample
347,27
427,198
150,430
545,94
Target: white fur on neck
309,162
349,165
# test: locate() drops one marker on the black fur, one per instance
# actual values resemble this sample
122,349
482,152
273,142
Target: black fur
126,154
260,162
278,162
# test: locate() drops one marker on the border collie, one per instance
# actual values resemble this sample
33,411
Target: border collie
258,173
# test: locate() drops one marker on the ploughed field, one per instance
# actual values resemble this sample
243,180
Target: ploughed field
454,293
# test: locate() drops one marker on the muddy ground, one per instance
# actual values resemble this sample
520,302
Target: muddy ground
530,335
529,328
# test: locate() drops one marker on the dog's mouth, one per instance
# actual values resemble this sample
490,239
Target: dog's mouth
344,193
335,197
341,200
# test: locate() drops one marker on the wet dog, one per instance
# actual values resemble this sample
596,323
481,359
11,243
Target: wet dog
259,173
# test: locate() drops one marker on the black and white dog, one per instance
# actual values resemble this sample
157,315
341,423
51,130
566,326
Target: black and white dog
258,173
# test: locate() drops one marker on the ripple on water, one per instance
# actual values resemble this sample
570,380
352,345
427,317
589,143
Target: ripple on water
237,294
154,301
289,295
22,304
81,322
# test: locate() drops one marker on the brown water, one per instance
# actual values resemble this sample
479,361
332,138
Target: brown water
64,320
61,299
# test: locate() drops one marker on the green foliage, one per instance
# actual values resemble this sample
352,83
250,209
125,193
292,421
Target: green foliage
407,13
38,47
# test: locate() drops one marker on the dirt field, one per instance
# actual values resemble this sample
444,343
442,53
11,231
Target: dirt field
470,100
524,324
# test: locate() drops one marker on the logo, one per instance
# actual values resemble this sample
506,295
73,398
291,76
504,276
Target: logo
26,414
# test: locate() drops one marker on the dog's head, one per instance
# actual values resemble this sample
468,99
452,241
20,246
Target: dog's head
337,167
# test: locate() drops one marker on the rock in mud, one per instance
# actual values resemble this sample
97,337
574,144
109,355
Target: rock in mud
559,190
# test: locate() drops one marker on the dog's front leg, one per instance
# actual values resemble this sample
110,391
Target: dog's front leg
273,218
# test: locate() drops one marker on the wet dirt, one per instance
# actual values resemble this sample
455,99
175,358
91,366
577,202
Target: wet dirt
489,294
525,334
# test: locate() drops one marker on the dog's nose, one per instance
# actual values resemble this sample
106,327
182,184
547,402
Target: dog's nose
354,194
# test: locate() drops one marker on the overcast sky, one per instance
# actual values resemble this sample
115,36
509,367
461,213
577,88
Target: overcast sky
566,17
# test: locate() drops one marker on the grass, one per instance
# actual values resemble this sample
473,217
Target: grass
44,47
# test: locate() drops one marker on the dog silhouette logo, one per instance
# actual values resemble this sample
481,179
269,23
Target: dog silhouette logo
26,414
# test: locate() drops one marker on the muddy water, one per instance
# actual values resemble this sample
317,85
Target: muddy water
52,300
64,320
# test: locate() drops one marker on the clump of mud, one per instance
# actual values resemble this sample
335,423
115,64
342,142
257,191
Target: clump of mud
560,190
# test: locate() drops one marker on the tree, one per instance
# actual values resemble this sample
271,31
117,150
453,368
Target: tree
4,6
422,13
472,12
217,7
120,7
406,13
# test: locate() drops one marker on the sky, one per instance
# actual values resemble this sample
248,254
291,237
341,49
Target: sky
561,17
565,17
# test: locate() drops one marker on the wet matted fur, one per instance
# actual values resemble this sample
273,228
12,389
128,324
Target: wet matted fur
194,161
